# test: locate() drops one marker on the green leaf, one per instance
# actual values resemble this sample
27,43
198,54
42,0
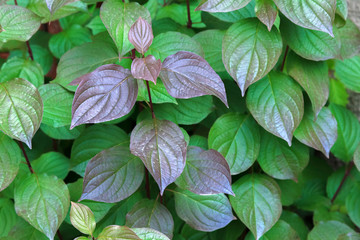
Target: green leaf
82,218
357,157
257,202
276,102
348,72
296,222
158,92
22,68
118,17
281,230
348,133
17,23
53,164
221,5
96,25
352,205
324,214
8,216
178,13
313,77
151,214
329,230
237,138
23,110
250,51
290,190
43,201
338,94
149,234
349,36
10,157
349,236
114,232
234,16
266,12
57,105
23,230
199,141
62,42
316,15
62,133
205,213
342,9
320,134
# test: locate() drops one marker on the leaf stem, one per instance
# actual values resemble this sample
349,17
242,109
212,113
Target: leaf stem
346,175
29,50
147,183
189,23
16,2
26,156
59,235
284,59
151,104
55,144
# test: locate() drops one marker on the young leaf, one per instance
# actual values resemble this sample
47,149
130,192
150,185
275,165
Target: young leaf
266,12
151,214
329,230
313,77
82,218
250,51
221,5
147,68
43,201
118,17
237,138
277,104
141,35
205,172
114,232
22,110
187,75
161,146
17,23
54,5
204,213
348,72
149,234
10,156
257,202
112,175
320,134
315,15
113,94
279,160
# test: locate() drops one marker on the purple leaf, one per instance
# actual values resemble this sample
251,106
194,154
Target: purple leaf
187,75
206,172
147,68
161,146
141,35
105,94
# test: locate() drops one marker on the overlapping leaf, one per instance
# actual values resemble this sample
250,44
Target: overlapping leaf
149,234
281,230
234,16
54,5
82,218
349,36
115,232
348,72
158,92
221,5
330,230
140,35
266,12
52,163
8,217
147,68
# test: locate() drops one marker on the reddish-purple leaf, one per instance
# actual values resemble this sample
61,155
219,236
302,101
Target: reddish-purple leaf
105,94
147,68
187,75
206,172
141,35
160,144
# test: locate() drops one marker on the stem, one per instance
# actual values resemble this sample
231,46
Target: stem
29,50
15,2
151,104
55,145
285,55
189,23
164,3
59,235
147,184
346,175
26,157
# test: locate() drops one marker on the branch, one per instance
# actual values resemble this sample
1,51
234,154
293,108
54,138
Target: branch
346,175
189,23
26,157
284,60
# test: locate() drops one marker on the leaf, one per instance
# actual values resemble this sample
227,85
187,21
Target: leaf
52,163
22,110
320,134
237,138
187,75
281,230
357,157
349,36
113,95
118,17
149,234
348,72
10,156
205,172
221,5
338,94
62,133
234,16
57,105
290,190
151,214
158,92
8,216
17,67
342,9
96,25
352,205
250,51
279,160
204,213
140,35
315,15
43,201
114,232
277,104
310,44
296,222
23,230
17,23
82,218
266,12
313,77
349,236
257,202
147,68
161,146
54,5
329,230
112,175
348,133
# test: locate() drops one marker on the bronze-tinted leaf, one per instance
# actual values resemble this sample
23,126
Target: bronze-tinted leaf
141,35
266,12
222,5
105,94
187,75
161,146
147,68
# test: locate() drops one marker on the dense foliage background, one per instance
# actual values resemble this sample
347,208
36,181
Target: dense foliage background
165,119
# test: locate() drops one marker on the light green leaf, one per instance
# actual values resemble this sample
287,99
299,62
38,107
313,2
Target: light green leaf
158,92
296,222
62,133
221,5
266,12
349,36
234,16
8,216
178,13
149,234
114,232
82,218
53,164
329,230
96,25
281,230
348,72
338,94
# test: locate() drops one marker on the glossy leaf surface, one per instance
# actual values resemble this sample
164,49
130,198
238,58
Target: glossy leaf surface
114,232
266,12
147,68
82,218
149,234
222,5
140,35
